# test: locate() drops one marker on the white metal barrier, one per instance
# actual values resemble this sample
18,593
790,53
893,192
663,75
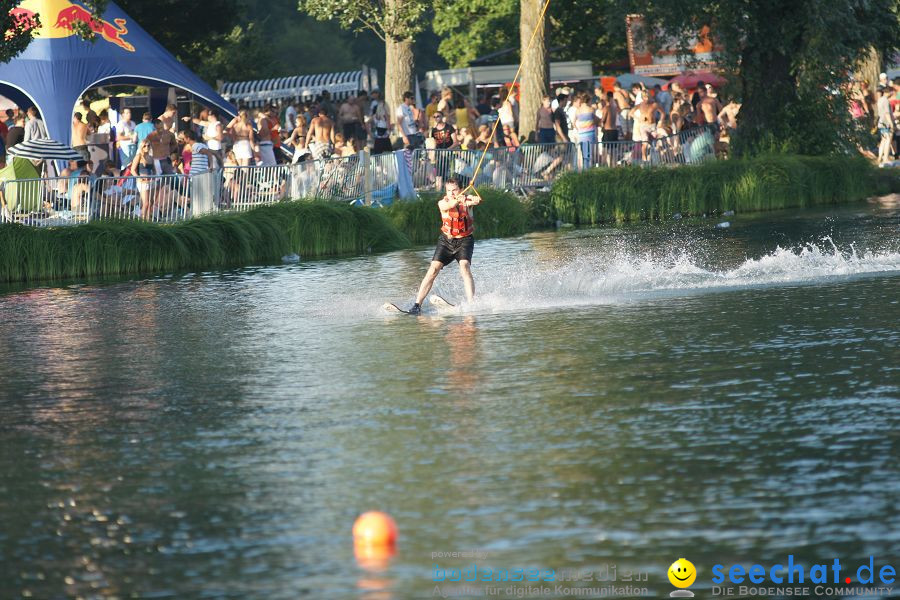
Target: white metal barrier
360,179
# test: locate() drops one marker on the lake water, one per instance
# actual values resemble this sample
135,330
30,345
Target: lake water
616,398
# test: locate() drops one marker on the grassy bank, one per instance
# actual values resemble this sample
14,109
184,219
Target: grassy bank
500,214
319,228
758,184
261,235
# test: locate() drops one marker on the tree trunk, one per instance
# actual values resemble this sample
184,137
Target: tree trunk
535,68
870,68
398,72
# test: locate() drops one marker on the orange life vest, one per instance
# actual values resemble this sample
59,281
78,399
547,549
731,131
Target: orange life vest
458,222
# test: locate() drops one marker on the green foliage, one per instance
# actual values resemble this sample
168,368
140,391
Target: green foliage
768,182
396,19
500,214
578,30
258,236
471,28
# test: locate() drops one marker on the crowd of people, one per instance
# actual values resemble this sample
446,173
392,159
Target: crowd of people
643,121
879,112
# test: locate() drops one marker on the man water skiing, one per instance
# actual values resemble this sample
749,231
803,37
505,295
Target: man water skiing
455,243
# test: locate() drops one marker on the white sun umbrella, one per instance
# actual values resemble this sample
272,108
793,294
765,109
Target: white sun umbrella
44,150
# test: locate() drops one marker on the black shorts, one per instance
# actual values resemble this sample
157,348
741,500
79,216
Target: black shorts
450,249
610,135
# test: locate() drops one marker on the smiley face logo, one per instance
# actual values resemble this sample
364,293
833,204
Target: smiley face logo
682,573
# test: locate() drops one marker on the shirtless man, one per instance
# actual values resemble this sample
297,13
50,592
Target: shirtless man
611,119
320,139
708,109
169,118
162,145
623,99
79,136
350,119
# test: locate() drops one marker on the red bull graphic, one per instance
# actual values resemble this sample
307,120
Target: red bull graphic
65,16
114,34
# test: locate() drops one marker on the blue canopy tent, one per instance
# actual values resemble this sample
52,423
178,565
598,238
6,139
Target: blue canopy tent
59,66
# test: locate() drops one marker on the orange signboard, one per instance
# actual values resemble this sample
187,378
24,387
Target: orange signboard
665,61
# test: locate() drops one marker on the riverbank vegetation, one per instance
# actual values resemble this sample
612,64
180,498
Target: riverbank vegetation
320,228
262,235
770,182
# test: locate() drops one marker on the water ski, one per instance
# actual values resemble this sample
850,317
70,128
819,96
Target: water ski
391,307
440,303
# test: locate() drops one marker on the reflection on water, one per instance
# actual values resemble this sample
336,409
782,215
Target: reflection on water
616,396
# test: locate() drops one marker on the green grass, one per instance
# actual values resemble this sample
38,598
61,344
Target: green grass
261,235
321,228
758,184
500,214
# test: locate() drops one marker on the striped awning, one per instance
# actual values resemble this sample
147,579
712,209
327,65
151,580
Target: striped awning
44,150
300,87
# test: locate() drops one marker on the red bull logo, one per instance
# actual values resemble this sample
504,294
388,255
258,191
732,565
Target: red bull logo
114,34
66,17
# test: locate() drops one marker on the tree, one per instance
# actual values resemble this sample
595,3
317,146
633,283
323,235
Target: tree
395,22
576,30
791,59
472,28
195,32
535,76
20,25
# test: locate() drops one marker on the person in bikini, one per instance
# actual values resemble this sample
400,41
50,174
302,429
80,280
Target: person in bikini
456,242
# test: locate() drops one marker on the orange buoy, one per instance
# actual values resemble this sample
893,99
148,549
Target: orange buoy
375,528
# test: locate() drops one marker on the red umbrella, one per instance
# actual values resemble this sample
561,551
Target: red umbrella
690,79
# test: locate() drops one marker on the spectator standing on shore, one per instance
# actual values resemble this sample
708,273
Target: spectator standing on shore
92,118
663,98
16,133
623,100
320,139
560,121
507,113
585,127
432,106
444,136
241,130
546,133
407,123
610,119
125,138
297,139
144,129
350,118
35,128
79,136
169,117
381,124
483,106
886,125
201,155
708,109
212,136
163,145
265,138
290,116
10,118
